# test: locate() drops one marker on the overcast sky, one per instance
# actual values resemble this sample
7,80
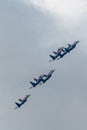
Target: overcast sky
30,30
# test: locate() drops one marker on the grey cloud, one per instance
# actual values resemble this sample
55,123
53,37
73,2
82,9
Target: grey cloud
61,102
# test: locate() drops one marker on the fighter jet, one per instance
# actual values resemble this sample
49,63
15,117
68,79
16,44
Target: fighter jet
48,76
57,54
22,101
38,81
71,46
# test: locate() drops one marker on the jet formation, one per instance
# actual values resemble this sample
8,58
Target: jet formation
60,53
42,79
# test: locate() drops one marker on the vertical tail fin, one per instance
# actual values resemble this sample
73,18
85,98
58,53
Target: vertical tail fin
33,84
53,57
